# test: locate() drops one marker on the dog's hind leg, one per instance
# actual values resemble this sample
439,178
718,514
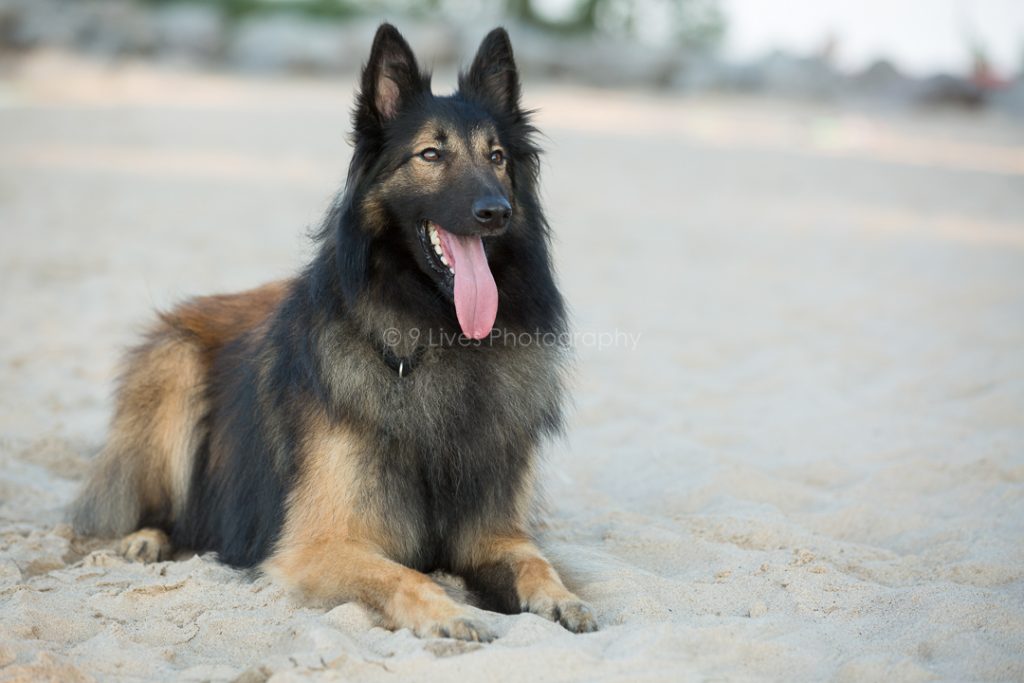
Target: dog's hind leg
142,474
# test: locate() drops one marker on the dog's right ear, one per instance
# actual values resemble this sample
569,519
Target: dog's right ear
390,79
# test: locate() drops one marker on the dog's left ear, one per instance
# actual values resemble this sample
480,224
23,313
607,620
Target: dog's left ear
390,78
493,77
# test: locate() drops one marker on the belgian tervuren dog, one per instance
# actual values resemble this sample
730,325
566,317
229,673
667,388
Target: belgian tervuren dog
369,420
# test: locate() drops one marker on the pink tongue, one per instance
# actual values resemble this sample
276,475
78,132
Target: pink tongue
476,295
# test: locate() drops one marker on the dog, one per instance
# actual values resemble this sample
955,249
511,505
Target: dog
366,422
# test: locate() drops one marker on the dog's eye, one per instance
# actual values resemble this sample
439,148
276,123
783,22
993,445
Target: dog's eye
497,157
430,154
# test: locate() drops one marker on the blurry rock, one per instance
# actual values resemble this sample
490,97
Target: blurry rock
111,27
596,61
785,74
254,675
106,27
536,53
191,31
440,41
435,43
883,80
285,42
33,23
114,28
778,74
946,90
9,17
198,32
758,609
614,63
706,73
1010,100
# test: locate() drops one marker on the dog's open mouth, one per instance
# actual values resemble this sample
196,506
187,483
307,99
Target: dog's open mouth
462,264
438,260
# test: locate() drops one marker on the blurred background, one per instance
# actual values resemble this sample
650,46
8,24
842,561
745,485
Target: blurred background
800,453
966,52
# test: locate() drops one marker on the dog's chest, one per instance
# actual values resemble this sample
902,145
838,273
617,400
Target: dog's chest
457,442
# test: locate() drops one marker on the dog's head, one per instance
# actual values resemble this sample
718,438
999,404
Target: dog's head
439,184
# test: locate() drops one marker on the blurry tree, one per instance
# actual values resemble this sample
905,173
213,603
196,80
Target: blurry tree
690,23
693,23
234,9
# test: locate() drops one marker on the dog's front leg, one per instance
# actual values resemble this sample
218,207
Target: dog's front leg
349,570
512,572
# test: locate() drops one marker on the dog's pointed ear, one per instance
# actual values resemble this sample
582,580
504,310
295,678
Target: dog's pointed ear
390,78
493,77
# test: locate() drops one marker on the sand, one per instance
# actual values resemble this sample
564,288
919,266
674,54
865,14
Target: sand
802,458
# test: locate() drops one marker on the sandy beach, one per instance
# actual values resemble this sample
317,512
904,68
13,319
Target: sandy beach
797,445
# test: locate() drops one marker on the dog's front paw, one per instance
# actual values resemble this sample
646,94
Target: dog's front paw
145,545
569,611
459,628
577,616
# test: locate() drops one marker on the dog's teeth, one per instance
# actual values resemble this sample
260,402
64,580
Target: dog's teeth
437,250
434,239
451,270
445,261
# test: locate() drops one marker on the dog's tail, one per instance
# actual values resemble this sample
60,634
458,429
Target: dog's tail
143,473
108,506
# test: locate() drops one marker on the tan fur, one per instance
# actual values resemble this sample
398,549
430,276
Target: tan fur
216,320
147,461
162,400
341,568
330,550
152,436
428,136
537,584
534,575
334,548
459,154
374,213
321,505
146,545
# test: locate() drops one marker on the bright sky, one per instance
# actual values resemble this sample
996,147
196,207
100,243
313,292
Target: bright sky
921,36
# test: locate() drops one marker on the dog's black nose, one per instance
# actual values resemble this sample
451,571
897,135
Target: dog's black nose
492,212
